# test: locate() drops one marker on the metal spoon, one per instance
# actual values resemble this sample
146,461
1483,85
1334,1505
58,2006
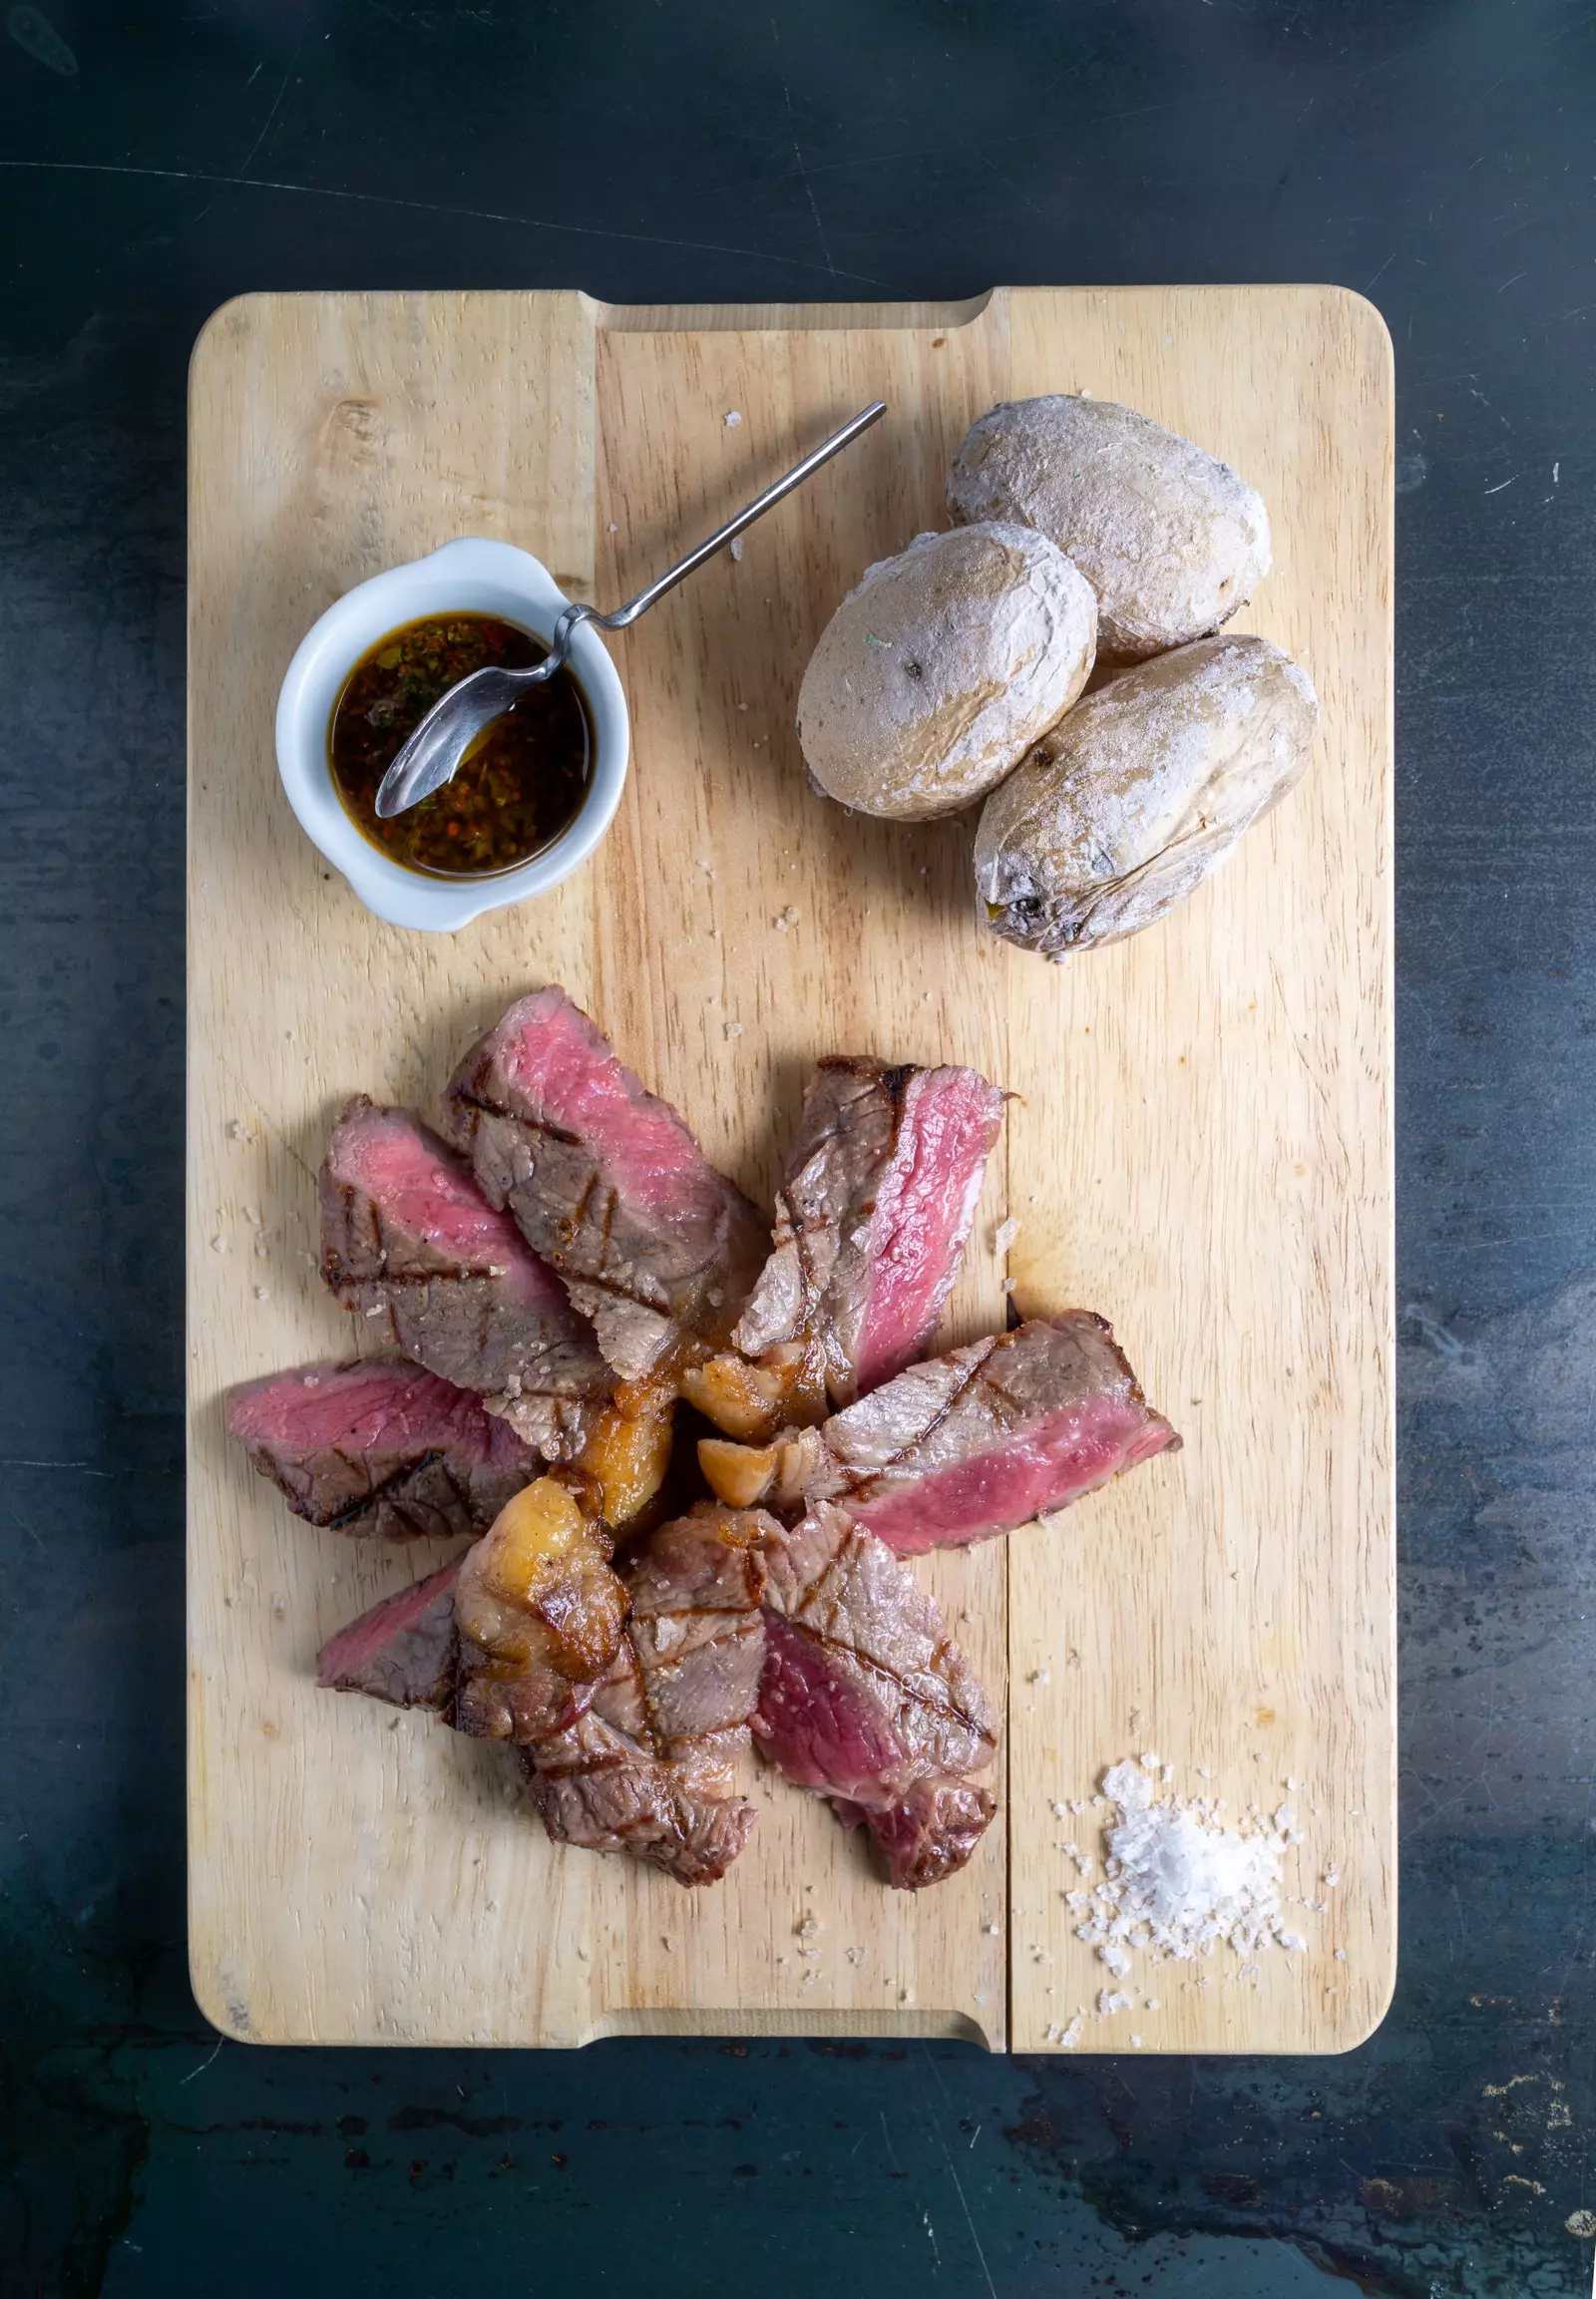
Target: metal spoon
433,754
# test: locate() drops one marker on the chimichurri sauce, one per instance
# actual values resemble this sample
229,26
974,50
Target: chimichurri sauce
520,786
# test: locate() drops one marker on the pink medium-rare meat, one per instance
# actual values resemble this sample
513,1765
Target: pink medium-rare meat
873,1218
606,1183
405,1650
379,1448
977,1443
965,1446
648,1769
866,1700
823,1729
411,1245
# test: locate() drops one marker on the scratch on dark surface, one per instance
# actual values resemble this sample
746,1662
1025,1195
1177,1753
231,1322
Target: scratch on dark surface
23,1525
431,207
1433,1334
83,1468
798,160
964,2207
948,151
205,2062
276,107
959,2190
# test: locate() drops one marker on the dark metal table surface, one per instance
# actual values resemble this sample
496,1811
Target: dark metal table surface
1437,154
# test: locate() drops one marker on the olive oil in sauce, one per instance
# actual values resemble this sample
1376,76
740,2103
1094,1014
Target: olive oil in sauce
522,783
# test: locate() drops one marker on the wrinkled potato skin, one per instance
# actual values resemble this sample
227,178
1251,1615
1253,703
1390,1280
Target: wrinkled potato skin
1172,541
938,672
1123,809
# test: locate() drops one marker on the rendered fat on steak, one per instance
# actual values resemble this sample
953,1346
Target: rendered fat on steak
870,1225
380,1448
968,1445
540,1616
608,1185
405,1650
648,1769
409,1242
866,1699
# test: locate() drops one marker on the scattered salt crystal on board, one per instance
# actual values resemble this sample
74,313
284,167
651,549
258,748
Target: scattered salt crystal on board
733,419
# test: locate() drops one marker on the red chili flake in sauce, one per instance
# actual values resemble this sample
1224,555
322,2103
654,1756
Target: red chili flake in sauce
520,786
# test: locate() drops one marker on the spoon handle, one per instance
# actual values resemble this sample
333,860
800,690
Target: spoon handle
625,615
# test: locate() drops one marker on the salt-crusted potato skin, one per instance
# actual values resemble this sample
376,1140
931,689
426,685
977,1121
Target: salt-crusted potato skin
939,670
1172,541
1117,814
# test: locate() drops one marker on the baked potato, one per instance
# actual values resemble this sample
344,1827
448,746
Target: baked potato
1119,813
941,667
1171,540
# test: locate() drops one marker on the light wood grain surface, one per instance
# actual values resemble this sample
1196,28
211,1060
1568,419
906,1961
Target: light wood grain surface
1202,1151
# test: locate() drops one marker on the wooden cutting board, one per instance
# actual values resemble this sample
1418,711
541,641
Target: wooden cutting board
1202,1150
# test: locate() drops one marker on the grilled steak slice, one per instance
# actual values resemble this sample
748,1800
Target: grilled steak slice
379,1448
871,1222
866,1700
968,1445
698,1633
606,1183
404,1650
540,1616
410,1242
648,1769
596,1790
930,1833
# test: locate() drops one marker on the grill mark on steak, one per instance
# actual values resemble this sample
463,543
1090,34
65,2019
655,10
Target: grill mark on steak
890,1740
968,1446
857,1482
872,1222
605,1180
386,1489
406,1233
648,1769
940,1702
379,1449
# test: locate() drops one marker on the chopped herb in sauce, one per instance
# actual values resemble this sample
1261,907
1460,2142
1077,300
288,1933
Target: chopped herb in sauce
523,781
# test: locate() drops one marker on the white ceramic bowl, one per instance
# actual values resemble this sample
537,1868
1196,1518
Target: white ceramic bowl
472,576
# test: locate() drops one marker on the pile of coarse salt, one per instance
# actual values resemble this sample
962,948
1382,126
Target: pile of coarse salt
1178,1883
